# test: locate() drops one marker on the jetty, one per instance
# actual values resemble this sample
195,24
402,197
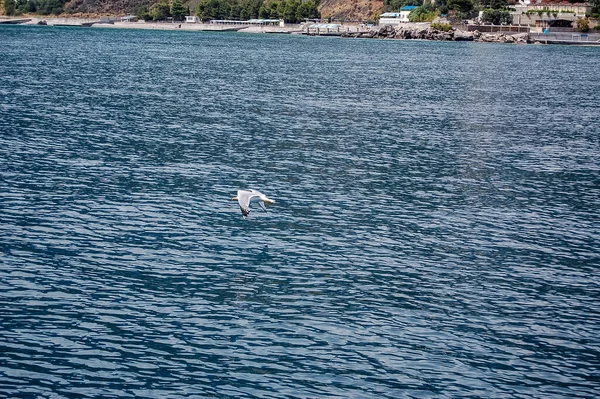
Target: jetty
568,38
333,29
13,21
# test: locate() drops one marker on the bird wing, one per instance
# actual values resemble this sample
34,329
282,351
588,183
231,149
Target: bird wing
244,197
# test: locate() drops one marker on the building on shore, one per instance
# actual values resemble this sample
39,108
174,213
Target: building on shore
396,18
577,9
545,14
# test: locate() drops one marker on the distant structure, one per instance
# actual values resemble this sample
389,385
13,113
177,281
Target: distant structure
546,14
248,22
396,18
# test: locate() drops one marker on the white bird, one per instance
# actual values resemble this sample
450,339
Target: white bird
247,197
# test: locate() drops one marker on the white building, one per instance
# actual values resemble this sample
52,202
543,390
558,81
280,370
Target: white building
395,18
192,19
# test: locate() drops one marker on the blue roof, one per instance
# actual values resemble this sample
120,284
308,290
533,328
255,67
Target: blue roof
408,8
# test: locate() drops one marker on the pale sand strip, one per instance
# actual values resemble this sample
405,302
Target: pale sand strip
98,23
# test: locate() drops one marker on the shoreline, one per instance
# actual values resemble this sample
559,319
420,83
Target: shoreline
415,31
107,23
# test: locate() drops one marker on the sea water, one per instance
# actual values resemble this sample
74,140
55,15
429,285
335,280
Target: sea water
435,233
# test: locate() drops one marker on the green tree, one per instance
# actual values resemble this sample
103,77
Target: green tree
235,9
263,12
46,7
31,7
143,13
250,9
290,11
496,17
308,10
206,9
462,8
9,7
178,11
160,11
424,13
273,7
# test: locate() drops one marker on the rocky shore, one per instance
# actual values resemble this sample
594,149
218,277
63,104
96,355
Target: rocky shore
428,33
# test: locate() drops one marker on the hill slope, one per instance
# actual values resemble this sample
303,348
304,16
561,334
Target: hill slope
345,10
116,7
351,10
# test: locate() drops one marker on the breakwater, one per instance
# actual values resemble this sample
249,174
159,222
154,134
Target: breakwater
426,32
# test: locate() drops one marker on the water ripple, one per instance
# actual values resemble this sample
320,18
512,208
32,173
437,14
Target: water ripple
445,244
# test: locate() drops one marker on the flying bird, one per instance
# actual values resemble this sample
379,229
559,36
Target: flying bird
247,197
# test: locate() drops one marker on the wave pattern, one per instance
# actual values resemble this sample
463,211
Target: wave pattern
435,233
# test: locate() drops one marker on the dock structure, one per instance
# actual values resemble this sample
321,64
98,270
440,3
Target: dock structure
332,29
13,21
572,38
245,22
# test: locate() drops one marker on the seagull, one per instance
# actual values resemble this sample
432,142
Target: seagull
247,197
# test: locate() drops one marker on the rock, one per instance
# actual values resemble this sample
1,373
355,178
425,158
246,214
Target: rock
522,38
418,32
386,31
491,38
461,35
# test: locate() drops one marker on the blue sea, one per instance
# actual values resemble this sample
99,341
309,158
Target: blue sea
436,231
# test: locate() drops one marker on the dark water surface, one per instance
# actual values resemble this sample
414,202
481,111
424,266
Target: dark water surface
436,231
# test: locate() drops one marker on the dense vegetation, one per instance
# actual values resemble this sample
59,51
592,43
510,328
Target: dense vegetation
43,7
289,10
441,26
162,11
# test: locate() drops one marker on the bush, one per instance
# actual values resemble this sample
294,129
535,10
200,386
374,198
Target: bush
424,13
583,25
496,17
441,26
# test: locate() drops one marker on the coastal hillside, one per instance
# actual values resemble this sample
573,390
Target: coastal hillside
346,10
107,6
351,10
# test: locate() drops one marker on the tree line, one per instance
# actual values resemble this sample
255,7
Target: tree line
43,7
161,11
291,11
